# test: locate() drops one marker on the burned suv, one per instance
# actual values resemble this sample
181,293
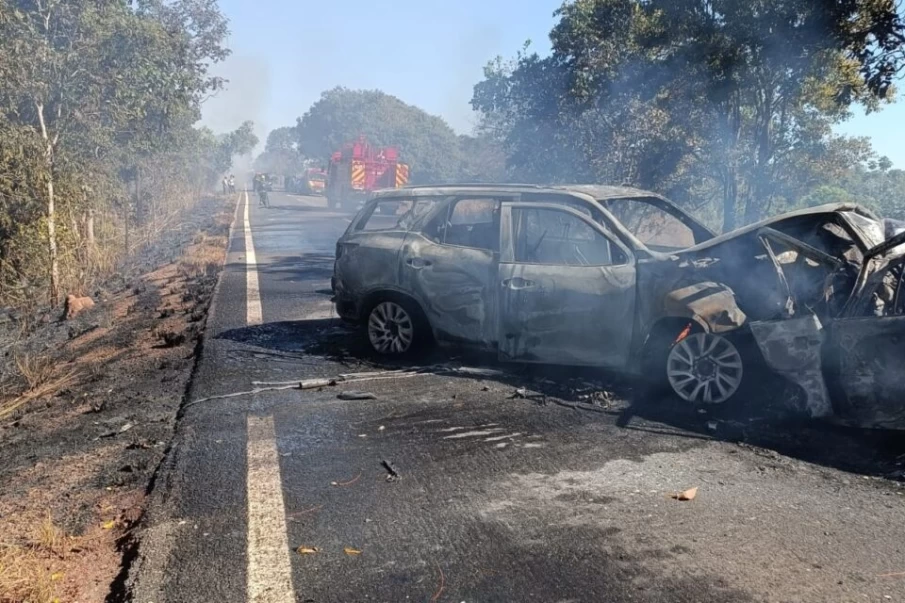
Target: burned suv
622,278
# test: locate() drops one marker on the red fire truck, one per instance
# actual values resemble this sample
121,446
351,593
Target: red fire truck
358,168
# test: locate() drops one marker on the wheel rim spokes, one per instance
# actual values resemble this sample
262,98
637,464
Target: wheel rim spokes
390,328
704,367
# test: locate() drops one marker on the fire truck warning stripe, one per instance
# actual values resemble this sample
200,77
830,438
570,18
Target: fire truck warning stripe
358,174
402,175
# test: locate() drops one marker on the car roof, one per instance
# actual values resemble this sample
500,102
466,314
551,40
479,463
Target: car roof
597,191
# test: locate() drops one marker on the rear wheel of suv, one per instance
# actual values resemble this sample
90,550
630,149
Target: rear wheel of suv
395,328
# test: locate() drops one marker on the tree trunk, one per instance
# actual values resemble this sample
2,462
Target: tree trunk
140,217
760,187
89,230
733,125
51,210
730,199
52,238
126,212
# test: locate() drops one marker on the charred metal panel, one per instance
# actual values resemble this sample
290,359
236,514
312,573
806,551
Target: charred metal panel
362,269
567,314
710,304
455,286
865,358
793,348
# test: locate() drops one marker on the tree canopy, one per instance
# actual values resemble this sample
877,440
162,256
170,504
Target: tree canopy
97,108
425,141
726,103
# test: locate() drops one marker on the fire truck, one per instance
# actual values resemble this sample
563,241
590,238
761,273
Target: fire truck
312,181
358,168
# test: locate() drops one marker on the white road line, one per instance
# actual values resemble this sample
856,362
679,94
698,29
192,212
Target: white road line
252,290
269,576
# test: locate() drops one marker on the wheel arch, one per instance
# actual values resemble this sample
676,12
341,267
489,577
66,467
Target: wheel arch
380,295
713,306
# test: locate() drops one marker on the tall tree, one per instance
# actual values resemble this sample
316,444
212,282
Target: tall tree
665,93
425,141
281,154
96,75
98,85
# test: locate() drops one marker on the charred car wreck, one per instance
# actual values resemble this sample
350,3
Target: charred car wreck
622,278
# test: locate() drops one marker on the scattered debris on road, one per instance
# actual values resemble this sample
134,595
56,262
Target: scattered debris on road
442,585
392,472
356,395
307,550
689,494
348,483
351,552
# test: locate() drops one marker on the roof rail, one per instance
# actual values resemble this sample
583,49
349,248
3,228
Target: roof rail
474,185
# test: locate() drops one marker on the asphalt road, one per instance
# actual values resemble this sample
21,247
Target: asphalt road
498,496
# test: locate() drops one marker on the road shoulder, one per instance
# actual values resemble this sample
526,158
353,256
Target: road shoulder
79,454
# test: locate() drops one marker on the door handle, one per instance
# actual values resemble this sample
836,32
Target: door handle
517,284
417,263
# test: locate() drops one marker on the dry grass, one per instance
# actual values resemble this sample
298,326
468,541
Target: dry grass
24,577
204,257
38,377
49,538
26,574
34,371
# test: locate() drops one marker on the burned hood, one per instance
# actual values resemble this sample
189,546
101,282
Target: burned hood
818,213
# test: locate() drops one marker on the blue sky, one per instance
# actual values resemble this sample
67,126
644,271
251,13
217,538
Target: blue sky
428,53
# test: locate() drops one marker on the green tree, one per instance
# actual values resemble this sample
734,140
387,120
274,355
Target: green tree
695,95
102,87
425,141
281,154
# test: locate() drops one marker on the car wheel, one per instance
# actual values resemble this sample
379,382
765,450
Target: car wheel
393,328
705,368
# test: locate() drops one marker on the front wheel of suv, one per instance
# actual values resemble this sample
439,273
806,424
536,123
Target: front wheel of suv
705,368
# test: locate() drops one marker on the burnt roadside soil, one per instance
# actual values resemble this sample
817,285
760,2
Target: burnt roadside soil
88,407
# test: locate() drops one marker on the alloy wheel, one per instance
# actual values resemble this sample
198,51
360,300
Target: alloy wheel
704,367
391,329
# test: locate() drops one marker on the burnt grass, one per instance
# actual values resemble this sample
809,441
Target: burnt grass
85,453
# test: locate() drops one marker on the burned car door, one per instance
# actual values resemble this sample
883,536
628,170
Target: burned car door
866,347
566,288
451,265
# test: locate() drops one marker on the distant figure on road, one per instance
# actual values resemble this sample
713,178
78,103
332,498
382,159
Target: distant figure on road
232,183
261,185
225,185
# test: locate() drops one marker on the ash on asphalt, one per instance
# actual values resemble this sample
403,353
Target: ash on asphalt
761,422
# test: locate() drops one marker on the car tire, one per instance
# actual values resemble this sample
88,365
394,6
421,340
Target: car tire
705,369
396,327
672,350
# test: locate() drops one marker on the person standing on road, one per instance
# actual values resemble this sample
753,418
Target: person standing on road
225,185
261,187
232,184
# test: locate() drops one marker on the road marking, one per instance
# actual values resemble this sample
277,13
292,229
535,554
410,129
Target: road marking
252,289
269,576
